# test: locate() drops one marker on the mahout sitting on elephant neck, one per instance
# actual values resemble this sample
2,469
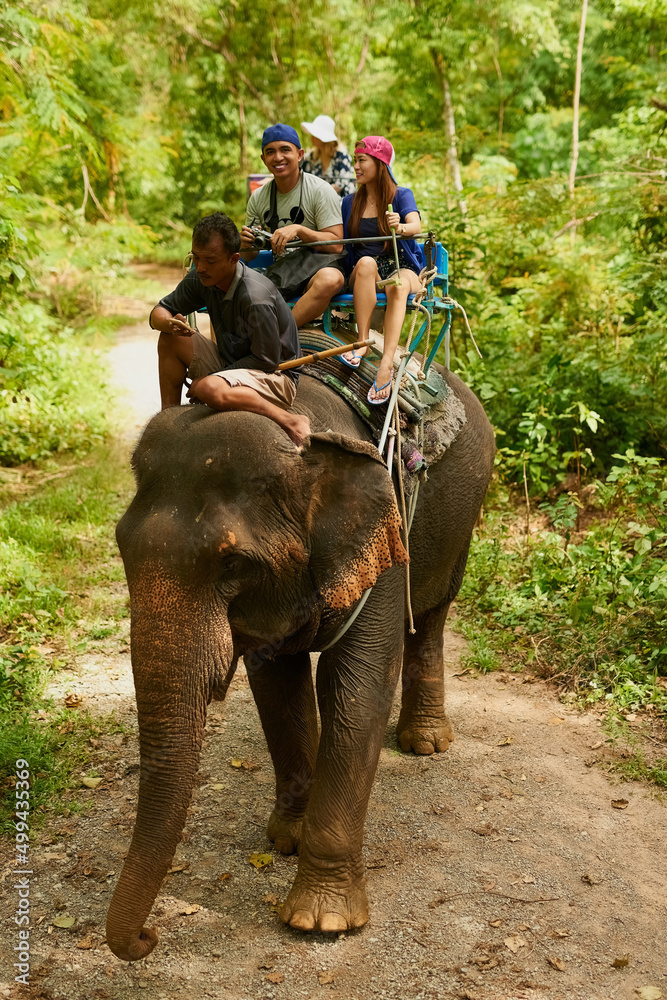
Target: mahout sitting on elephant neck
238,543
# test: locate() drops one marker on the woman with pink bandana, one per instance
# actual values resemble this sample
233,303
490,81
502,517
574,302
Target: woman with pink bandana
366,213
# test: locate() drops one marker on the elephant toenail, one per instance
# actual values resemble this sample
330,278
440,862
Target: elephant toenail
333,922
303,920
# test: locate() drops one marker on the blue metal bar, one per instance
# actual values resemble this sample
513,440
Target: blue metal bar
415,342
444,333
326,321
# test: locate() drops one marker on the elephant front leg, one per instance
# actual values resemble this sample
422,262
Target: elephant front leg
283,691
423,725
355,686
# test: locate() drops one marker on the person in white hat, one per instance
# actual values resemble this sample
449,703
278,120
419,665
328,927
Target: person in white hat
328,158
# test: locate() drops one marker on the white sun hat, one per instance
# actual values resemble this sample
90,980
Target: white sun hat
323,128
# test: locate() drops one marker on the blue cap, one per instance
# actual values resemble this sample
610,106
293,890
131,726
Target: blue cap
274,133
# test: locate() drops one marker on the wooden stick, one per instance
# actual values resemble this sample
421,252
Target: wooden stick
397,280
310,358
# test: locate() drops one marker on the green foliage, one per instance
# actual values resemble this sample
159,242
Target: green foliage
54,546
573,337
58,562
584,602
51,396
633,766
53,748
483,654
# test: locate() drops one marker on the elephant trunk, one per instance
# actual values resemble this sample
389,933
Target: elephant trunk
179,658
169,763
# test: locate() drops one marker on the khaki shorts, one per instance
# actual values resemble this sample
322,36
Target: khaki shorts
278,389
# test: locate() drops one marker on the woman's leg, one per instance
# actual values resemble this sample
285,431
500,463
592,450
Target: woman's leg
397,297
362,283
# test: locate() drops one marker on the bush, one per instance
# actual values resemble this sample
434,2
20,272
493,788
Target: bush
585,605
53,397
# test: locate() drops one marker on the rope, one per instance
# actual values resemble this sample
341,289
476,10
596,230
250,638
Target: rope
457,305
406,529
426,275
415,494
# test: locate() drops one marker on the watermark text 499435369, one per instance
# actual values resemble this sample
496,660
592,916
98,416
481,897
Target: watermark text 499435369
22,871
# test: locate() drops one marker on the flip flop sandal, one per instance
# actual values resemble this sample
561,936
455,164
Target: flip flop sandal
385,399
352,364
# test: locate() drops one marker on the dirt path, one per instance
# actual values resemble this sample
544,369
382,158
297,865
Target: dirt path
133,359
500,870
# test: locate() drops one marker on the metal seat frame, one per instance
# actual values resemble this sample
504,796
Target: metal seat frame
436,300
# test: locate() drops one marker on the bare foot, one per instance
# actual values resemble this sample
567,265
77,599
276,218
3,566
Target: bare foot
284,833
383,383
353,357
320,901
296,425
424,735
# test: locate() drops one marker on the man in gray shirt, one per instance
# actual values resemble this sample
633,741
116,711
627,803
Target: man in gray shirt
297,206
254,331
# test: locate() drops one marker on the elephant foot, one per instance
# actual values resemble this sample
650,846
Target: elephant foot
317,904
424,735
285,834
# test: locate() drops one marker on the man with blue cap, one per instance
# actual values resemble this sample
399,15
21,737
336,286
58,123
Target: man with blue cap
296,206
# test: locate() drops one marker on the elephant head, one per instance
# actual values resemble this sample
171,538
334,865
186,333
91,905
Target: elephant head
236,542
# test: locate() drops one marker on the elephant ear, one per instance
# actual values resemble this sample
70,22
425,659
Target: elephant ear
353,519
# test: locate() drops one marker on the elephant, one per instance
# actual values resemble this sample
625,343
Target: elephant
238,543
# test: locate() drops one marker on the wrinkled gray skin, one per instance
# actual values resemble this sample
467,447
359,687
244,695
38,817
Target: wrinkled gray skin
240,544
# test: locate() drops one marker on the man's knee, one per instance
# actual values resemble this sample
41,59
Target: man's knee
166,346
328,281
209,388
169,346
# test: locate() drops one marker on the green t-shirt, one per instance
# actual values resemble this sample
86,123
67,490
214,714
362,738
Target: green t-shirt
311,203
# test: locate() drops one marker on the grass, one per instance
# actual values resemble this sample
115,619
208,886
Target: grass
582,595
633,761
58,554
483,653
580,599
55,747
62,591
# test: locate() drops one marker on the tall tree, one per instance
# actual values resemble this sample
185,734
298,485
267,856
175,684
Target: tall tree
575,116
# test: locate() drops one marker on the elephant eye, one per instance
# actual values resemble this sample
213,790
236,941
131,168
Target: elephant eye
230,564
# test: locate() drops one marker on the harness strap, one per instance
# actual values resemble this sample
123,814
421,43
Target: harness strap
350,621
274,219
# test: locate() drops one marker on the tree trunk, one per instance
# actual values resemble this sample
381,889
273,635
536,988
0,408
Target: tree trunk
501,102
111,156
575,118
450,128
243,139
